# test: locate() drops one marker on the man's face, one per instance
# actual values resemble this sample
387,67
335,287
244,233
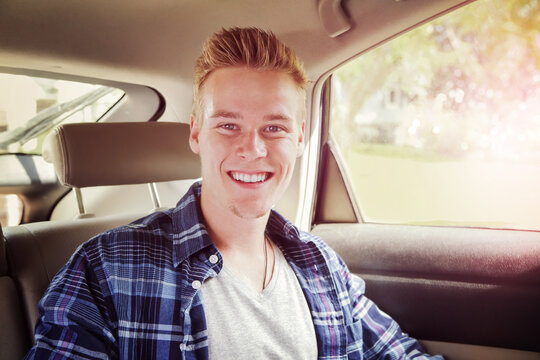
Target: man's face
248,140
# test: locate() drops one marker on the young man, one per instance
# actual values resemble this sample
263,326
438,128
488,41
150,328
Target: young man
222,276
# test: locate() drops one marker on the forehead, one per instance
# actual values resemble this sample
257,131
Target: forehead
246,89
246,73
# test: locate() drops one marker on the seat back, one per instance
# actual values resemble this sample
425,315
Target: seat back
83,155
14,340
38,250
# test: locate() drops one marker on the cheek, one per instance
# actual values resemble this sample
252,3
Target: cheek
215,150
284,152
209,144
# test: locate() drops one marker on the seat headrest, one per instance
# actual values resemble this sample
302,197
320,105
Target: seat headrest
95,154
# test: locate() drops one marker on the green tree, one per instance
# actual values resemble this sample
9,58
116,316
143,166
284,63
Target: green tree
481,62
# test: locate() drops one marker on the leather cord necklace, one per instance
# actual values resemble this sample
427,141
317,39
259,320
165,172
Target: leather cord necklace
265,263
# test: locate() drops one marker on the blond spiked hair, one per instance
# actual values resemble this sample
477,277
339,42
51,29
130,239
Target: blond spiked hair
249,47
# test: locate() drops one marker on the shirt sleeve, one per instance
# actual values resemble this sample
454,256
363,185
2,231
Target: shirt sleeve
73,320
382,337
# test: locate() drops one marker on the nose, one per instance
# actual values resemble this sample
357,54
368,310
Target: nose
251,146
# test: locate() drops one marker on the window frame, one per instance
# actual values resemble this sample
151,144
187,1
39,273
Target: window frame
329,151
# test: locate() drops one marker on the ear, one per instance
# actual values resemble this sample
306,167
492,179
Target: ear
301,143
194,135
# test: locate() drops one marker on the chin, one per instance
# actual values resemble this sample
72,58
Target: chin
249,212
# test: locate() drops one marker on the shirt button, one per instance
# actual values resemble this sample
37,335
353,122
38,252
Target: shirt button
213,259
196,284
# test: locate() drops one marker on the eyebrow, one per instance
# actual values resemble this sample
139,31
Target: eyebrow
234,115
279,117
226,114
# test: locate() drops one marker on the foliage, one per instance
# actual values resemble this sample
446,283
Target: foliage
466,84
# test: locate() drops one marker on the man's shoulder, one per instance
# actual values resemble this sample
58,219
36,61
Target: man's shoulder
155,239
293,239
142,237
158,222
325,249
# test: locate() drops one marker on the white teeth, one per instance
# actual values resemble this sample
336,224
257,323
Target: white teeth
260,177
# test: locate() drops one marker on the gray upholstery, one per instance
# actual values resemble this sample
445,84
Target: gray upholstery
94,154
84,155
14,340
3,259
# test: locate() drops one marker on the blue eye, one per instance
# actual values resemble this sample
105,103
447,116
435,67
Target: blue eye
229,126
274,128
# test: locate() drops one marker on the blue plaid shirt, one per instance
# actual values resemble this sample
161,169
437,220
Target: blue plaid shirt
133,293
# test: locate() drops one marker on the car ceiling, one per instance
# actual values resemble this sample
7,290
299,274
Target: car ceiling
155,43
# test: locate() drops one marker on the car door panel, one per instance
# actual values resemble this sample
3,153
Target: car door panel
456,285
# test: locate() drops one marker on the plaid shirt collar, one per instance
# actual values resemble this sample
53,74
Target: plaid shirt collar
191,237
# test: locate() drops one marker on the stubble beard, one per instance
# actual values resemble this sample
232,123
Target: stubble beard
257,214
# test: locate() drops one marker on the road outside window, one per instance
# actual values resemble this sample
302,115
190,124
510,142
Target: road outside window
441,126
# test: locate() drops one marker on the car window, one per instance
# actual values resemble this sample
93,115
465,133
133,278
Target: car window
10,209
441,126
30,107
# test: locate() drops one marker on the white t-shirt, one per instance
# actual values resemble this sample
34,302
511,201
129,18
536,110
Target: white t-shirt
246,324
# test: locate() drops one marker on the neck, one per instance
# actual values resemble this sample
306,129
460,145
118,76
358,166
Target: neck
241,241
230,232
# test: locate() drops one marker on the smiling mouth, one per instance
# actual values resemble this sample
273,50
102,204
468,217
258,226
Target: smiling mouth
250,178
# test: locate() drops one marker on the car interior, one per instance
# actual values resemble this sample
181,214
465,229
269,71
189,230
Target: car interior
467,286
